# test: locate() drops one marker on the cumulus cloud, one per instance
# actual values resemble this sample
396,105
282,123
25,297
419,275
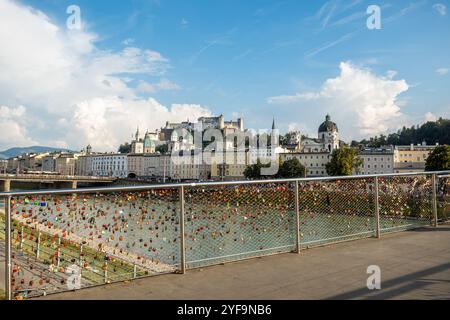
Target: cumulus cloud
362,102
430,117
12,124
440,8
54,73
106,121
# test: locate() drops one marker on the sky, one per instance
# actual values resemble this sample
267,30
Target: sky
131,64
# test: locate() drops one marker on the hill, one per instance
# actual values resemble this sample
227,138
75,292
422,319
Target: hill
431,132
13,152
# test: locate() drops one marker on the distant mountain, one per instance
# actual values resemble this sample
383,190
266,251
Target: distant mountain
13,152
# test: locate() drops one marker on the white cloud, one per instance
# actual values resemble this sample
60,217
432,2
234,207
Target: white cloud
54,72
128,41
105,122
429,117
12,124
440,8
362,103
391,74
286,99
442,71
184,23
163,84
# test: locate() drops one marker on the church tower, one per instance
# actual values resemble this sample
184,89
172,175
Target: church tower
329,135
137,145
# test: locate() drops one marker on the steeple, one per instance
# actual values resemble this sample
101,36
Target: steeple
137,134
273,123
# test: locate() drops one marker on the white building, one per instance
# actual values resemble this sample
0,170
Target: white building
110,165
376,161
189,166
48,163
314,162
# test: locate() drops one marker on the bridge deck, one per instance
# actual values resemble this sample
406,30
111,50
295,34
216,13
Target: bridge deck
414,265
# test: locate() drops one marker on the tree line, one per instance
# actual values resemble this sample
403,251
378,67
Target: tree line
431,132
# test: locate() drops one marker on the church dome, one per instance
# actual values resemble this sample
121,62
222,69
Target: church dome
328,125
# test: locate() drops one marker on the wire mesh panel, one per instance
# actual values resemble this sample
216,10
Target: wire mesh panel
443,199
67,242
405,202
227,223
336,210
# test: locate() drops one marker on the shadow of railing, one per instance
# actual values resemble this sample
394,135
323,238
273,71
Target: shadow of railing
409,282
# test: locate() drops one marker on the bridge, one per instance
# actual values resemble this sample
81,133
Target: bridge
49,181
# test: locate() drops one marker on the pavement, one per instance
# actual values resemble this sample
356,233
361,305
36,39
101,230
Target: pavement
414,265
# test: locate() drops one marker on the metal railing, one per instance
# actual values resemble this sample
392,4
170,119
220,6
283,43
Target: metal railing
57,240
56,176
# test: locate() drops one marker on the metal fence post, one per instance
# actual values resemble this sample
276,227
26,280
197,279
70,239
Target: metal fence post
297,219
106,271
434,199
377,208
21,238
58,252
38,244
80,261
182,242
8,251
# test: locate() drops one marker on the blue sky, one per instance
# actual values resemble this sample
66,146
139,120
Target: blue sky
239,57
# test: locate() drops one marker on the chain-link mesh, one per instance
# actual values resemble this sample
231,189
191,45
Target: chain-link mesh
66,242
405,202
443,199
226,223
336,210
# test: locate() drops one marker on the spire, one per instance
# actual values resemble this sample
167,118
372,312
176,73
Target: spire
273,123
137,133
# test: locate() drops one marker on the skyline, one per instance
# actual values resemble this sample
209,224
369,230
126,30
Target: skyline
145,63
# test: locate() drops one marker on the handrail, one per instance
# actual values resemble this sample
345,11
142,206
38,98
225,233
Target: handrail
53,177
207,184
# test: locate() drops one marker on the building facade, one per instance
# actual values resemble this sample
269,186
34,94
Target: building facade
110,165
411,158
376,161
314,162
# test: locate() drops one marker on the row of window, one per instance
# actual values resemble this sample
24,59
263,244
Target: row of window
380,159
375,166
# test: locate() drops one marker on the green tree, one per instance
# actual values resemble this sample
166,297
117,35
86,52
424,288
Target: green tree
164,148
439,159
125,148
431,132
291,169
254,171
343,162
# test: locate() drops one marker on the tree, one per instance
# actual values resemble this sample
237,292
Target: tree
254,171
431,132
343,162
291,169
162,148
439,159
125,148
